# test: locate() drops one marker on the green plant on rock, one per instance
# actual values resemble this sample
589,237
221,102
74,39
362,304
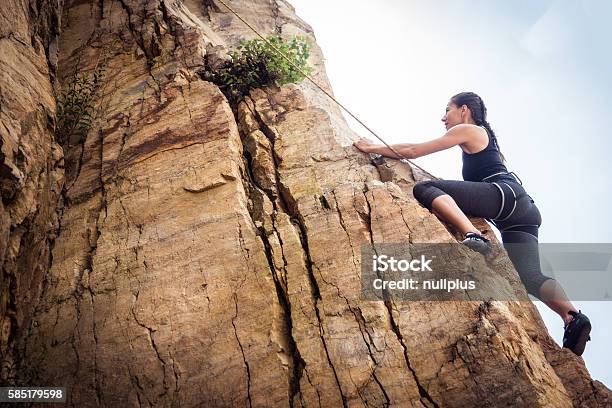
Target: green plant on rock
255,63
75,103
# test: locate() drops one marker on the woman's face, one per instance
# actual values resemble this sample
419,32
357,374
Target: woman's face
453,115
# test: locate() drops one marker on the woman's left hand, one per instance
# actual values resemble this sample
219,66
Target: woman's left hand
363,144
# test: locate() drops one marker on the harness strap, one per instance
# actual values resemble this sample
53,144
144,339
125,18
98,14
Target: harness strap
516,197
510,173
514,206
520,225
522,232
496,174
502,202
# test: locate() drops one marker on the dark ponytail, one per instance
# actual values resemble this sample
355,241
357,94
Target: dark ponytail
479,113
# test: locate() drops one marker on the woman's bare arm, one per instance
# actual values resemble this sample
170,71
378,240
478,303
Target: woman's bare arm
454,136
402,148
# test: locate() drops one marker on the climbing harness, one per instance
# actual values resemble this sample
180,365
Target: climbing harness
510,173
501,190
504,191
324,91
499,217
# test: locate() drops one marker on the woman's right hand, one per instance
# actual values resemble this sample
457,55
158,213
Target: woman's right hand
363,144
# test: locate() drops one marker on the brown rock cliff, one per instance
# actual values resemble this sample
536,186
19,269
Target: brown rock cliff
191,253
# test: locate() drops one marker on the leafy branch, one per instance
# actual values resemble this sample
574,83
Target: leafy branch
75,102
254,64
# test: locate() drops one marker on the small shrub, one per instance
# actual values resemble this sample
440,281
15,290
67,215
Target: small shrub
254,64
75,103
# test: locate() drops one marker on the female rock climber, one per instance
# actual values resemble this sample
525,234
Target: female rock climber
489,191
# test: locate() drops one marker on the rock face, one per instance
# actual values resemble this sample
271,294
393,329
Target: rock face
195,253
31,164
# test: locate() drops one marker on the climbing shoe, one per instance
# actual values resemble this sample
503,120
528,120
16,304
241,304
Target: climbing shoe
477,242
577,333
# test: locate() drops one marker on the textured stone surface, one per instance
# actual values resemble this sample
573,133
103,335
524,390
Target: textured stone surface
31,163
209,255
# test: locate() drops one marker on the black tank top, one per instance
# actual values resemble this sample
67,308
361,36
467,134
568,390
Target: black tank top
484,163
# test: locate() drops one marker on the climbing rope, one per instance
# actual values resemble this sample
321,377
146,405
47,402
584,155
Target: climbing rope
321,88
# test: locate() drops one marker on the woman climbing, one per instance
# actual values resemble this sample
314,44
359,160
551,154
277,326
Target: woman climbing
489,191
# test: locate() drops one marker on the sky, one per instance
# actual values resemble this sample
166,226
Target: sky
542,68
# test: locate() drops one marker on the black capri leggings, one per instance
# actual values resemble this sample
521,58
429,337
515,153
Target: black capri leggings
505,203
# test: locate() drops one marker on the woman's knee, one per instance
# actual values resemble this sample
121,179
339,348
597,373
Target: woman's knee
534,285
418,190
425,192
